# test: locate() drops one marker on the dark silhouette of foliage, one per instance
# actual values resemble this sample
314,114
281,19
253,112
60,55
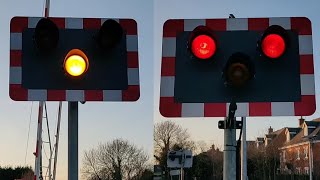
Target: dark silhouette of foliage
19,172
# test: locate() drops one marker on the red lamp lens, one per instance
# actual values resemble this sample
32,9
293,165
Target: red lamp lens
273,46
203,46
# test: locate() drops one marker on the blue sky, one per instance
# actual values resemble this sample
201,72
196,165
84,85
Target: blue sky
100,122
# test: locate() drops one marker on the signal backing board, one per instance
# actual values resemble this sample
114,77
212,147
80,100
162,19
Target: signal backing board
180,72
19,90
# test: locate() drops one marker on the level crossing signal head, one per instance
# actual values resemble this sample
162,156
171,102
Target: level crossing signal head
274,42
76,63
46,35
264,63
109,34
202,43
73,59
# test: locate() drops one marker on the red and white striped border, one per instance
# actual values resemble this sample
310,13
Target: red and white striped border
170,108
18,93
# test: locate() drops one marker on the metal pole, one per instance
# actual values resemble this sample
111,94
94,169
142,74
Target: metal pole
229,153
244,149
72,140
310,159
46,10
57,142
182,166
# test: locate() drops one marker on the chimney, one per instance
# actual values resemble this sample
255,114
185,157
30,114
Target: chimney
270,130
301,121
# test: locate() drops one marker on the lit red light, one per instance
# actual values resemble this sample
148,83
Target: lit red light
203,46
273,46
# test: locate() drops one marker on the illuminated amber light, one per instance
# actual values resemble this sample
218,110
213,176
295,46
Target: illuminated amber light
76,63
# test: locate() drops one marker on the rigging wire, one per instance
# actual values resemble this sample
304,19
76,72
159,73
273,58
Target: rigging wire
30,117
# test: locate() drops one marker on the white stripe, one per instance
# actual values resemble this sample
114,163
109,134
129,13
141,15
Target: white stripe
284,22
112,95
15,41
237,24
169,47
307,84
33,21
37,95
133,76
192,110
305,44
190,24
167,86
282,109
132,43
15,75
242,109
75,95
74,23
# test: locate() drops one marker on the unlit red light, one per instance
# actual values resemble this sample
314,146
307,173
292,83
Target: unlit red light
203,46
273,46
76,63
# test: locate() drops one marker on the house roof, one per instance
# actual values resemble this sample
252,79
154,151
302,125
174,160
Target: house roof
277,132
300,137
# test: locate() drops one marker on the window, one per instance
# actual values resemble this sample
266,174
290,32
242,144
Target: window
284,156
298,170
306,170
305,152
298,154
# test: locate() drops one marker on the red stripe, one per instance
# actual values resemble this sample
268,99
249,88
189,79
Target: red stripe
172,27
35,177
215,109
306,64
131,94
258,24
56,95
18,93
217,24
132,59
306,107
129,25
260,109
302,25
93,95
91,23
168,108
60,22
15,58
18,24
168,66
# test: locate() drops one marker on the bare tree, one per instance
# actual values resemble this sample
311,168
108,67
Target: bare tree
168,134
114,160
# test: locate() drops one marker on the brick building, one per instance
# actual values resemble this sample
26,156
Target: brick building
301,149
